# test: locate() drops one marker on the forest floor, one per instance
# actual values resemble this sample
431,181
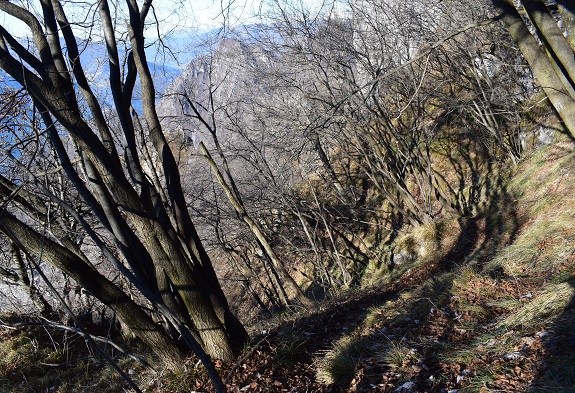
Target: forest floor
492,309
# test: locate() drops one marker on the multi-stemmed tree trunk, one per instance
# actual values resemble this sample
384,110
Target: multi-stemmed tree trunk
144,228
552,57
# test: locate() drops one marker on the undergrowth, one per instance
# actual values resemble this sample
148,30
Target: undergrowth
500,319
480,305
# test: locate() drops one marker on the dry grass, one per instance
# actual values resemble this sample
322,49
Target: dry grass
542,310
339,364
42,359
468,321
400,356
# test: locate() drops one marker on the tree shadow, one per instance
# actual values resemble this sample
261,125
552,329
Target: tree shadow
336,337
556,373
330,334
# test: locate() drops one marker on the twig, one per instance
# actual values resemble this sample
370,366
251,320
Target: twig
80,332
68,362
371,84
247,355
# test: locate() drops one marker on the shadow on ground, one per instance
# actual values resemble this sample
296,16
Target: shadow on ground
556,373
360,344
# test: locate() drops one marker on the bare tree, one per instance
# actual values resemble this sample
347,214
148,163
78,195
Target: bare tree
121,167
405,96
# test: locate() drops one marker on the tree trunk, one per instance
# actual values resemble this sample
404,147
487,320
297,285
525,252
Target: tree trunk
46,310
567,12
85,275
258,233
560,52
540,64
159,249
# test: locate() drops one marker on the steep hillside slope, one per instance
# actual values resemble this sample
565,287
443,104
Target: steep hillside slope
491,309
493,313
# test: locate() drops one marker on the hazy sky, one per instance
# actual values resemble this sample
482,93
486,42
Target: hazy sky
174,14
211,13
204,14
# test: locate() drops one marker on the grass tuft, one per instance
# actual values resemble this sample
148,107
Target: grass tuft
542,310
399,356
338,364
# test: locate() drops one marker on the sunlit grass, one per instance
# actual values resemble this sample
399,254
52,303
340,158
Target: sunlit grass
542,310
338,364
399,356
